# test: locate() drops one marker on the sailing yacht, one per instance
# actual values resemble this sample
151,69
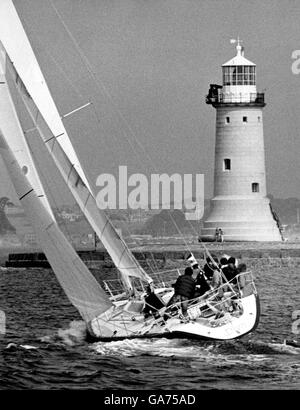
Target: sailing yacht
109,313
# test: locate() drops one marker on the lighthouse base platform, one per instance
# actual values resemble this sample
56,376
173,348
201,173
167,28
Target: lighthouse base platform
241,219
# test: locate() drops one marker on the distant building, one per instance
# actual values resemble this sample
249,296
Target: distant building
30,239
23,229
71,217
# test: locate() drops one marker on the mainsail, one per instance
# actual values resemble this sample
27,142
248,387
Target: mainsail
17,46
80,286
33,89
12,129
116,247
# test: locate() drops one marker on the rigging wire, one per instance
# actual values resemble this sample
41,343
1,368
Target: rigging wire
102,87
76,90
89,68
81,96
100,84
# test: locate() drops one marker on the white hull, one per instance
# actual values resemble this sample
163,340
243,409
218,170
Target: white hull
121,326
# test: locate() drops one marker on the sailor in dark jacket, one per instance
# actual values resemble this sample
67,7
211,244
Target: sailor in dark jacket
152,303
210,266
185,289
230,271
205,276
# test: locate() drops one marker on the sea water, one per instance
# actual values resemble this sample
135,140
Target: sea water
44,346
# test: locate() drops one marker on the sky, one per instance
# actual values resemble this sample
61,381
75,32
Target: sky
146,65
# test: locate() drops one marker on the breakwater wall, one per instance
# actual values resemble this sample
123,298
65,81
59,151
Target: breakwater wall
165,258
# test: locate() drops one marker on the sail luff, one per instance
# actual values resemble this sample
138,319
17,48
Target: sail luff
18,48
82,289
116,247
11,126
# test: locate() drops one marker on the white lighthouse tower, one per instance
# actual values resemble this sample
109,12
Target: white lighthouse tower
239,206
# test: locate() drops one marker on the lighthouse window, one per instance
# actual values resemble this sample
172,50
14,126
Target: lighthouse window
245,119
246,75
258,119
234,76
227,120
239,75
252,75
226,76
227,164
255,187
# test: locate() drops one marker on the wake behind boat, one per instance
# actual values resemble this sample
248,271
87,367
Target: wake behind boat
227,312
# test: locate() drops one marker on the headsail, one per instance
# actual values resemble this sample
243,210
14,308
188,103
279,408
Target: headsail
12,129
80,286
17,46
116,247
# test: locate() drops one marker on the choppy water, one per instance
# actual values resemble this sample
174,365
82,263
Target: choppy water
44,345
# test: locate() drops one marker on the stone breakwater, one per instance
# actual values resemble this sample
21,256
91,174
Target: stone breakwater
160,257
165,255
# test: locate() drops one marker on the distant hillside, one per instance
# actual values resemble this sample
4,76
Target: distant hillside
167,222
162,222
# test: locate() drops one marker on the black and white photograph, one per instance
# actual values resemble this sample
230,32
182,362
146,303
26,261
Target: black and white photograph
149,198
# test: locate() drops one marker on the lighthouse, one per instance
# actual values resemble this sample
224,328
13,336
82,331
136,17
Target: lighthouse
240,207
